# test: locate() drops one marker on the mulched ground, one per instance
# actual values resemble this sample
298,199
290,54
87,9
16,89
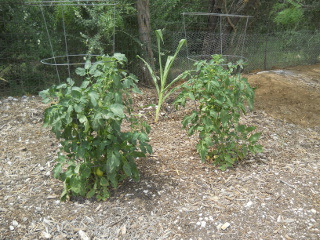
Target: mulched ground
272,195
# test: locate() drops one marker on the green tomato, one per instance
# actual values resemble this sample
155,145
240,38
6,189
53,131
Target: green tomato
99,172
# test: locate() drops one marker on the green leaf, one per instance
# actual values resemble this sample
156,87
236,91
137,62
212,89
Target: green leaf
104,182
127,169
250,129
85,171
57,170
159,34
191,96
65,193
152,73
113,162
70,81
170,60
93,98
183,75
77,169
68,116
97,73
142,137
62,86
85,84
134,170
254,138
98,121
81,72
87,64
228,159
120,57
84,120
118,97
208,141
257,148
192,129
218,102
76,91
61,158
91,193
242,129
78,108
113,179
202,150
137,154
117,110
105,194
45,96
57,126
76,184
223,167
149,149
225,117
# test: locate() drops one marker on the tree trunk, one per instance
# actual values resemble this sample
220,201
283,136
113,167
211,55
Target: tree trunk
143,13
210,43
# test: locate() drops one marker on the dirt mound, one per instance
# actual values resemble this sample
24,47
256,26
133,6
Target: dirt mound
292,95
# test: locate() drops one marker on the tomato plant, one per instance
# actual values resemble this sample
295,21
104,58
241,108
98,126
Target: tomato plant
221,98
96,154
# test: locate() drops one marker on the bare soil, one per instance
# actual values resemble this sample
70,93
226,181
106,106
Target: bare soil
272,195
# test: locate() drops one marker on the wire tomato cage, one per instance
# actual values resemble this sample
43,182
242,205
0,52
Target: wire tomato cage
61,11
208,34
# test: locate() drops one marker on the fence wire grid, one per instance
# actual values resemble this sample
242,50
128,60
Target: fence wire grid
261,51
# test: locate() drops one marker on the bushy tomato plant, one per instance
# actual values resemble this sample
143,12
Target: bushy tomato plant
96,153
221,96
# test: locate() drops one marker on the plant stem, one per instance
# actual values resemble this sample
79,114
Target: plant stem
159,106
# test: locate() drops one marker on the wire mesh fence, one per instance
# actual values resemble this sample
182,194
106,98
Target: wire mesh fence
22,48
262,51
282,49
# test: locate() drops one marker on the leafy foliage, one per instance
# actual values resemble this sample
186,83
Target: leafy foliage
168,13
294,14
221,98
96,153
288,15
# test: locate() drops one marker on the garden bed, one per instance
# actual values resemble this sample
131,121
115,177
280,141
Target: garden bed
272,195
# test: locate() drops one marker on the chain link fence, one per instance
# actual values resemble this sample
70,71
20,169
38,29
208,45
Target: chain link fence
282,49
260,51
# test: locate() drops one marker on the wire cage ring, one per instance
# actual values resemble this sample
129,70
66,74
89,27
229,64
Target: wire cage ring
68,60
